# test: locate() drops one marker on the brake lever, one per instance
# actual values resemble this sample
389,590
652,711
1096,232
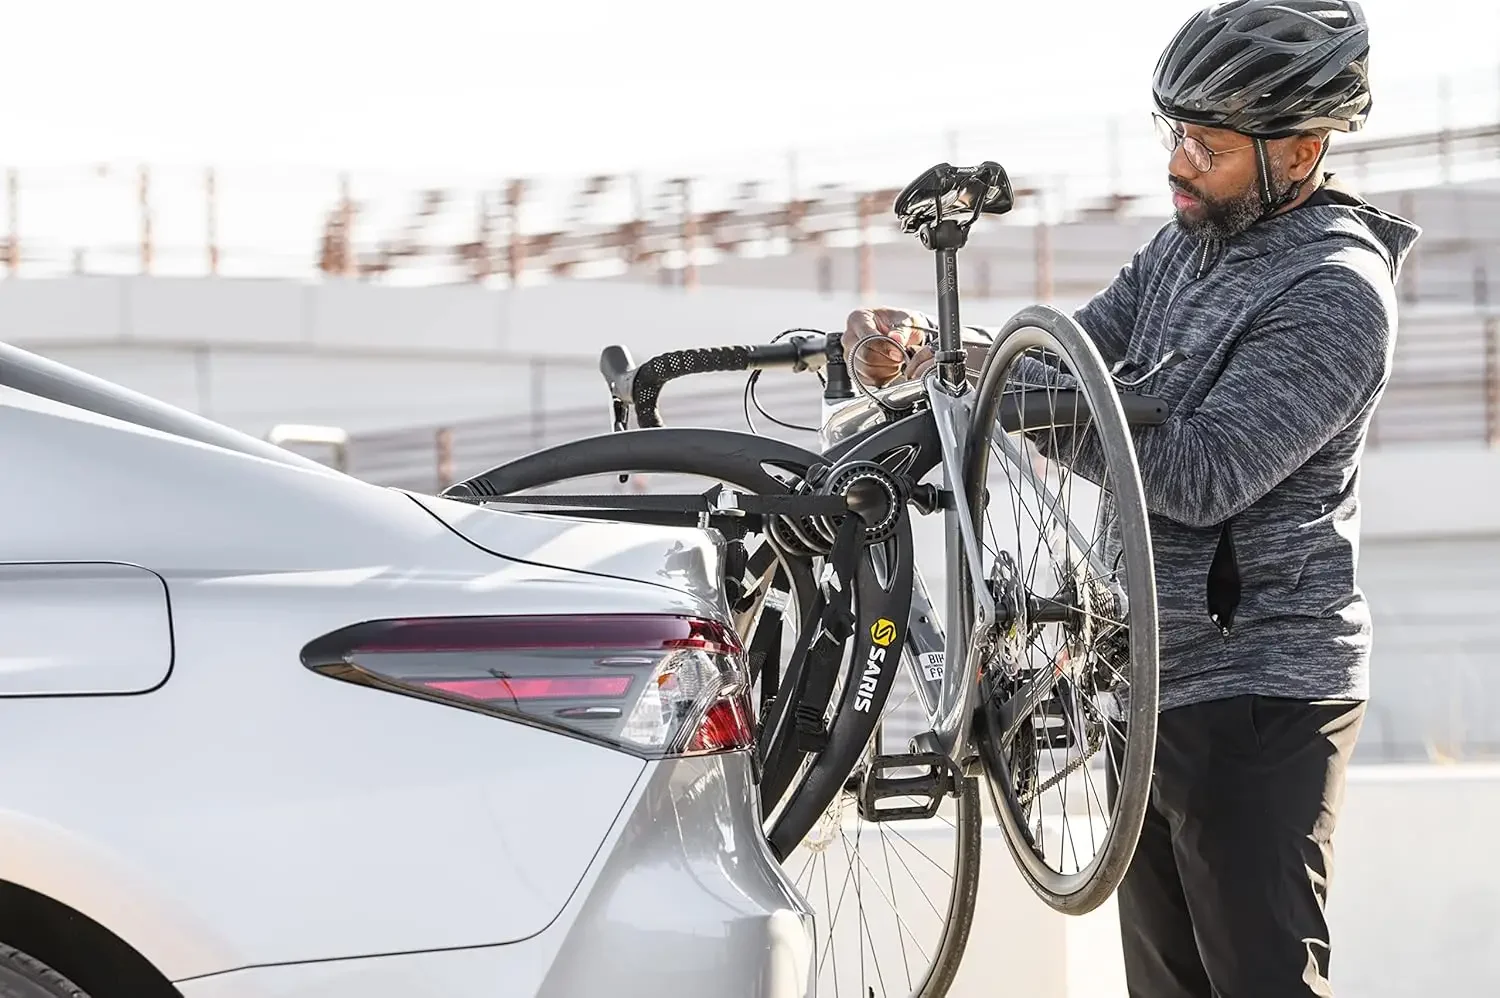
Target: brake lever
618,368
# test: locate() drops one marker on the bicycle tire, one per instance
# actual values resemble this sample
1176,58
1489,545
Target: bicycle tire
969,821
24,976
1042,326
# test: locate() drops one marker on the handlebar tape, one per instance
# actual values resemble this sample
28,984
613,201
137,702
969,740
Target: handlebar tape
646,389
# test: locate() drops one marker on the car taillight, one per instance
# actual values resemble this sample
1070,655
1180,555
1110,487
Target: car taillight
653,685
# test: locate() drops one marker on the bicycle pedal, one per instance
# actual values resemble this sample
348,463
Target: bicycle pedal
940,780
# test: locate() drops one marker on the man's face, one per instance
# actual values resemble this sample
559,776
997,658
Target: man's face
1222,200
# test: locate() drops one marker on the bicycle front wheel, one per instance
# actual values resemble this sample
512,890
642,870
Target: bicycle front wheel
1066,725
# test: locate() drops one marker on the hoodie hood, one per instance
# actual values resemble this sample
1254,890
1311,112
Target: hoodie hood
1334,212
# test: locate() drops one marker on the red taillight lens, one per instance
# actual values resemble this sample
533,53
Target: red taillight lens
655,685
536,688
727,725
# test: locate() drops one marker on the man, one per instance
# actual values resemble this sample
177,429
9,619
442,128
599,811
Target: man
1279,286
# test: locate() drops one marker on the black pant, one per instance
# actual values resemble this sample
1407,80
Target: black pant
1225,895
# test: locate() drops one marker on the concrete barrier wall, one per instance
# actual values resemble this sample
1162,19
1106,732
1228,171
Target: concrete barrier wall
253,353
1414,900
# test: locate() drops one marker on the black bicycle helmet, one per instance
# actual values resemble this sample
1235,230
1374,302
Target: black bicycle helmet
1269,68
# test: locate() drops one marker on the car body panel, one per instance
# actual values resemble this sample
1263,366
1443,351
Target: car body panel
689,892
326,780
41,381
670,556
329,820
703,908
82,628
98,489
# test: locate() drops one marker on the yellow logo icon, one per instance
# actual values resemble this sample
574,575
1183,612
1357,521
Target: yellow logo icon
882,632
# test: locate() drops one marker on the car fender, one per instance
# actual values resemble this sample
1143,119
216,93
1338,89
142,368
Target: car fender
65,867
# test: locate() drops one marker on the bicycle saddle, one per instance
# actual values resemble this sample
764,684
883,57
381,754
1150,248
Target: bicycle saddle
947,191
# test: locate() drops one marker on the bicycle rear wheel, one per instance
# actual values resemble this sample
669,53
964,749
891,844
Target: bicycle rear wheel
1079,659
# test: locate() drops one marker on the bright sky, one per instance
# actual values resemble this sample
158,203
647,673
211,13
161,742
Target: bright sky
525,85
500,88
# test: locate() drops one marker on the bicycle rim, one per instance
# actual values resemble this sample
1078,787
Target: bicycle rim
1067,539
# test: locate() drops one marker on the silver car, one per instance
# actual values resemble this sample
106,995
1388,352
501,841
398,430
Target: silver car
268,731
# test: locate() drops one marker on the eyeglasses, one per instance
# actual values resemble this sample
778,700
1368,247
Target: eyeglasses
1198,154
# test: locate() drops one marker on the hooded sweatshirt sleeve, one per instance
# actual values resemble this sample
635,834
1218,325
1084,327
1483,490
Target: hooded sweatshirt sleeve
1310,365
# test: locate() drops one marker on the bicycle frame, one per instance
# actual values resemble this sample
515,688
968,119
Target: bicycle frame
950,399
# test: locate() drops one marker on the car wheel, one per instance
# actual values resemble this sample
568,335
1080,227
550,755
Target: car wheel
22,976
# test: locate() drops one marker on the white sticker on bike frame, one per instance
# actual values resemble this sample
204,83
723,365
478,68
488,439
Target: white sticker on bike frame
932,665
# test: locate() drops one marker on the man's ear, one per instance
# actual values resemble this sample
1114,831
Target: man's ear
1305,151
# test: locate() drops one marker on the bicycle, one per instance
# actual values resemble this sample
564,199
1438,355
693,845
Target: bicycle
831,532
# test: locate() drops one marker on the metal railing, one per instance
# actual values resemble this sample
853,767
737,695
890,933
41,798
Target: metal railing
1445,385
135,218
429,458
1445,389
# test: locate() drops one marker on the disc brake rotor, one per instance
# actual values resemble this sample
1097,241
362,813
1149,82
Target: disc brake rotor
1012,634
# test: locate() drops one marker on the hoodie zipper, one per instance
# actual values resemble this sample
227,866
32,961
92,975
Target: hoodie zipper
1161,338
1208,244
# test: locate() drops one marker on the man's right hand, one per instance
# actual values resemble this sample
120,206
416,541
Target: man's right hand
878,363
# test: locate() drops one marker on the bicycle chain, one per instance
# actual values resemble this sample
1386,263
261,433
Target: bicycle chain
1094,744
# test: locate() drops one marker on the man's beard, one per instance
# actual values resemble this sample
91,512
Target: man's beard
1217,218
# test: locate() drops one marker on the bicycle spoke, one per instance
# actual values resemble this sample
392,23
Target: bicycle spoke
890,879
919,852
895,908
829,948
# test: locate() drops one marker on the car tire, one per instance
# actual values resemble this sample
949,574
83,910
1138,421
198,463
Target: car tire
22,976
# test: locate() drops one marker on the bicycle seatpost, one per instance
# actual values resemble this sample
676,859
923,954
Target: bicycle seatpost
945,238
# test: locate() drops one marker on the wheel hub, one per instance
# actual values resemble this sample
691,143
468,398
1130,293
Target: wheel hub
1012,623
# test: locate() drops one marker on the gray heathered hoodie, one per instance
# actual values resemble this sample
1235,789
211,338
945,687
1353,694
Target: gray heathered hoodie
1289,330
